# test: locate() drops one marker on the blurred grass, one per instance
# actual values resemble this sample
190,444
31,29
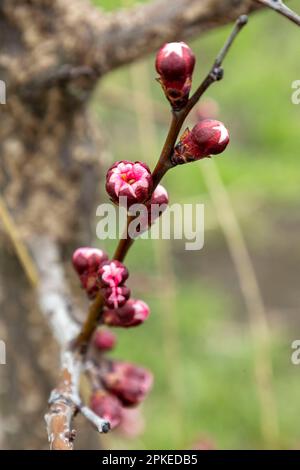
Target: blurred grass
216,362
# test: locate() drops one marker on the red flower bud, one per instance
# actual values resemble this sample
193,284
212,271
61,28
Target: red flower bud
133,313
86,262
128,382
208,137
112,273
88,259
154,209
107,407
115,297
104,340
130,180
175,63
158,203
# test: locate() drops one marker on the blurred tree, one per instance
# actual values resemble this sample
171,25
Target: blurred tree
53,52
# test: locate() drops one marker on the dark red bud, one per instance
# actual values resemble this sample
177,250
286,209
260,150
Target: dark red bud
104,340
208,137
175,63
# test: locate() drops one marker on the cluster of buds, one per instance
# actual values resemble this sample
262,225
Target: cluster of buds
120,385
123,385
175,63
98,274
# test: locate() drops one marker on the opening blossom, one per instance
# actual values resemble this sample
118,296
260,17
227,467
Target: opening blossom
115,297
175,63
111,277
132,180
86,262
208,137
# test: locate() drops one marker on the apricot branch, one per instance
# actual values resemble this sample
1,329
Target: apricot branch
282,9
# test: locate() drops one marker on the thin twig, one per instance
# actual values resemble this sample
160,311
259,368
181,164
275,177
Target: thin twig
282,9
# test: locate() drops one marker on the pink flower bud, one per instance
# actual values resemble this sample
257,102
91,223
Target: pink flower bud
107,407
133,313
175,63
104,340
154,209
88,259
208,137
128,382
86,262
158,203
130,180
115,297
112,273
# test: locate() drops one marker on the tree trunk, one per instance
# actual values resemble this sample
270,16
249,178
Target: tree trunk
52,54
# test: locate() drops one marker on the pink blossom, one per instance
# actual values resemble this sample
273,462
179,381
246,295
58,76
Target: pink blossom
115,296
132,180
113,273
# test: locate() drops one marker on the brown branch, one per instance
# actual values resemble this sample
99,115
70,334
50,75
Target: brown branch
65,402
62,407
282,9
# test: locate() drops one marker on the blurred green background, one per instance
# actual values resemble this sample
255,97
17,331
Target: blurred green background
210,351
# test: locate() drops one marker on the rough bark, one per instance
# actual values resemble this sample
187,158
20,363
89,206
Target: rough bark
52,54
